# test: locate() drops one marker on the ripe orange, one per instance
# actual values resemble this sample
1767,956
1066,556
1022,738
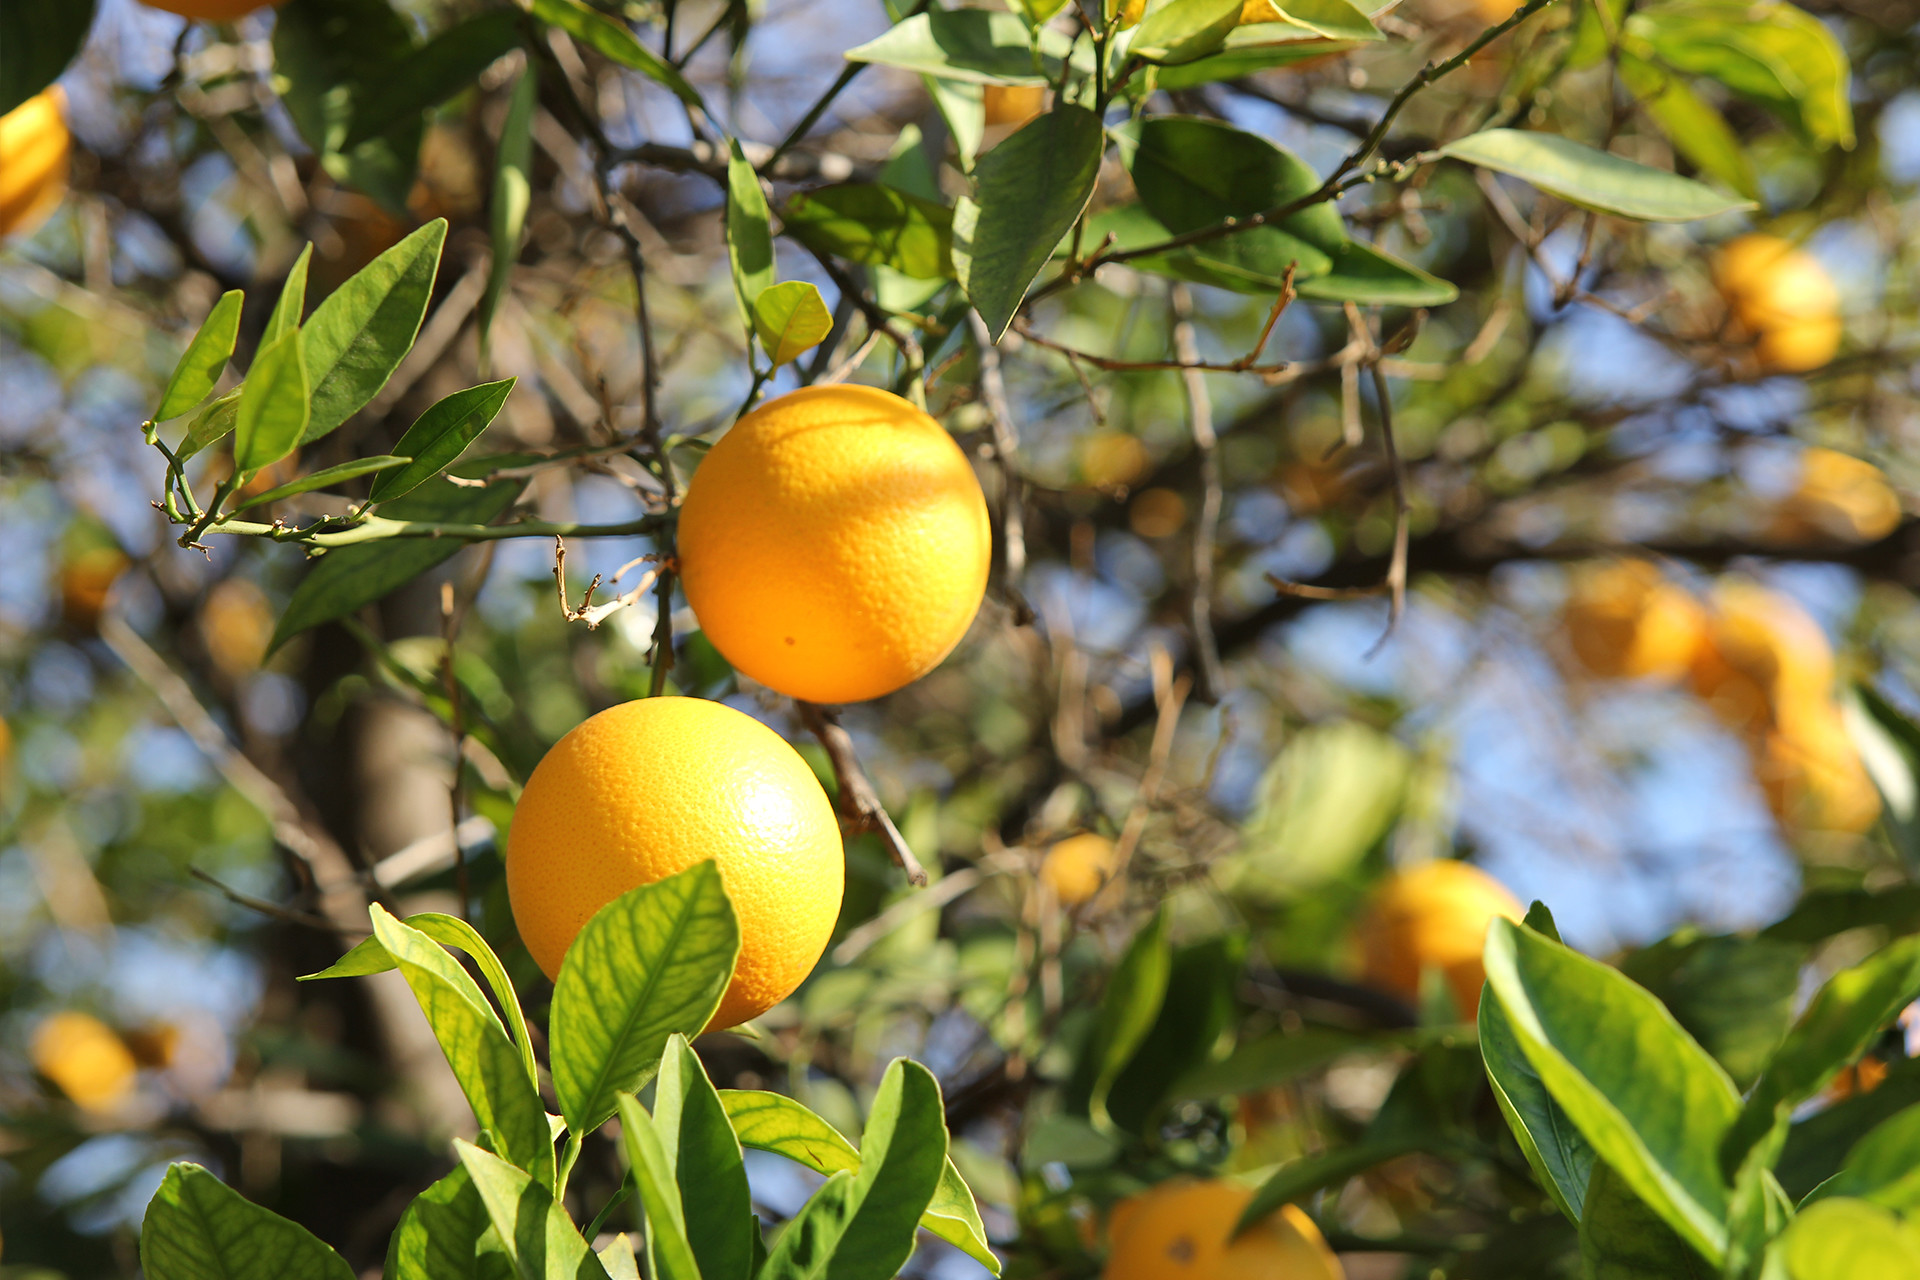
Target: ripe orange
1433,916
1839,496
1013,104
86,581
85,1058
1812,775
1179,1232
213,10
1076,867
1783,298
647,789
235,624
35,148
1762,655
835,544
1627,619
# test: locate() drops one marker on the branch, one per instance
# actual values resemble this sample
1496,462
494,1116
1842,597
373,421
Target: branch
860,807
380,529
1200,425
1006,445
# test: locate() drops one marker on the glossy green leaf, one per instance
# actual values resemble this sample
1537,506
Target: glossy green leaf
323,478
660,1196
876,225
349,577
1649,1100
200,365
1300,1178
1694,126
1028,191
1734,995
790,320
1559,1155
1334,19
483,1059
749,241
987,47
1135,993
806,1245
902,1158
1374,278
445,65
1883,1167
654,961
1183,30
37,42
291,307
1237,63
1769,52
610,38
445,1234
773,1122
535,1232
210,424
329,55
1850,1240
1622,1239
512,191
1591,178
197,1228
272,412
366,957
703,1160
358,336
440,435
1842,1020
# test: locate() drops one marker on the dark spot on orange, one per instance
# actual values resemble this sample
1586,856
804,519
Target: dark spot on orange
1182,1250
789,639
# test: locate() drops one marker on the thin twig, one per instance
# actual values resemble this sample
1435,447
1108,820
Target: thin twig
860,807
1402,510
1200,426
825,100
272,910
1006,448
457,723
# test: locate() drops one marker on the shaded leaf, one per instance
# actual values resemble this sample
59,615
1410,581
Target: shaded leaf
1183,30
806,1245
197,1227
323,478
291,306
1694,126
1591,178
210,424
1771,53
1334,19
512,191
660,1198
1883,1167
876,225
903,1156
1237,63
1271,1060
1372,277
790,320
272,411
703,1160
1559,1155
329,55
1818,1146
37,41
440,435
535,1232
1734,995
1622,1239
1135,993
445,1234
1849,1240
978,45
1199,1009
1300,1178
615,41
358,336
749,240
443,66
201,364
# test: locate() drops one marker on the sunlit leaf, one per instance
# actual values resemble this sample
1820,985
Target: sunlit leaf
1183,30
1591,178
291,306
659,1195
984,46
324,478
535,1232
703,1160
272,411
445,1234
200,365
358,336
790,320
749,240
440,435
197,1227
608,37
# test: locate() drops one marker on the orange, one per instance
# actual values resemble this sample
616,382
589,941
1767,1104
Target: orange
85,1058
1013,104
35,148
1812,775
1863,1076
1762,656
235,624
86,581
1076,867
1179,1231
835,544
647,789
1627,619
1433,916
1839,496
1782,297
213,10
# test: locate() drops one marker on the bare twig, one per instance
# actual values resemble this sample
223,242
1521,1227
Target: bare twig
272,910
1200,426
1169,696
860,807
594,614
1006,446
1402,510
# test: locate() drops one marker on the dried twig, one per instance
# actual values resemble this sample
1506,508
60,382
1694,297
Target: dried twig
1402,510
1200,426
860,807
1006,445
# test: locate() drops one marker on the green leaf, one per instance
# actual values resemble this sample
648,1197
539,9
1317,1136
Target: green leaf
440,435
791,320
1183,30
703,1159
1198,1011
1649,1100
329,55
1734,995
1371,277
654,961
903,1155
1842,1020
1590,178
37,42
536,1233
210,424
876,225
660,1197
445,1234
806,1245
512,190
273,405
1560,1157
1132,1002
977,45
357,337
1825,913
1237,63
1273,1059
321,479
1818,1146
1772,53
772,1122
204,358
483,1059
443,66
291,306
366,957
1883,1167
1300,1178
1334,19
1329,796
1694,126
1850,1240
1029,190
619,1260
197,1227
1889,746
749,242
349,577
615,42
1622,1239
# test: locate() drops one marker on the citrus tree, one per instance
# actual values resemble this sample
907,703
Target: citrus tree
1039,425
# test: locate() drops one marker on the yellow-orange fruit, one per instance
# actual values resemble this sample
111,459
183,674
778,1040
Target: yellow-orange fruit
35,150
86,580
1762,653
1180,1231
153,1046
834,544
1863,1076
1157,513
1840,496
1113,459
1076,867
1812,775
213,10
1784,298
1131,12
235,624
83,1056
1628,619
647,789
1432,916
1013,104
